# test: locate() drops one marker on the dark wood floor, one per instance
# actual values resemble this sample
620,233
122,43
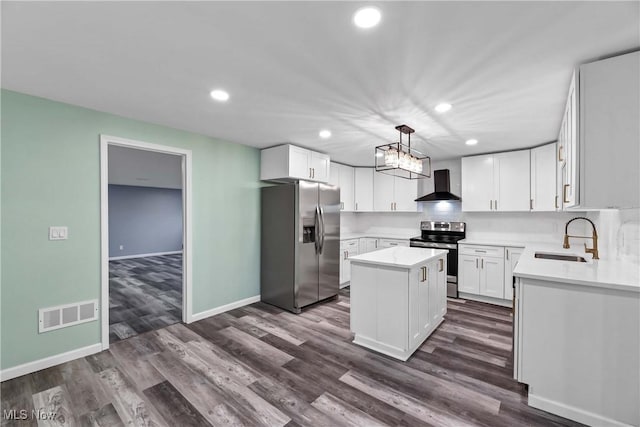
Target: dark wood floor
145,294
258,365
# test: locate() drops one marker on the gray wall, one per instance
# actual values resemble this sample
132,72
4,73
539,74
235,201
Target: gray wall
144,220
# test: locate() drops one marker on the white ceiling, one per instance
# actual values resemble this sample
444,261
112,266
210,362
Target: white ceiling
129,166
293,68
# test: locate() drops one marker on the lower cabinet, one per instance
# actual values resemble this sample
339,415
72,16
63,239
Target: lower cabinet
394,310
481,271
348,248
511,257
368,244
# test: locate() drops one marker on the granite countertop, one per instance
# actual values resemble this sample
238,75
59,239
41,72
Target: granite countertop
399,256
603,273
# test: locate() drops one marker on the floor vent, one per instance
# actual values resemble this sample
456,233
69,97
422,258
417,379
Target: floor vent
67,315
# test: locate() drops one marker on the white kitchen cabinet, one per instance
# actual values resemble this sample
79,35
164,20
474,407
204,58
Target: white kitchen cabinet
395,308
599,134
368,244
492,277
405,192
343,177
288,162
496,182
477,183
363,191
568,147
609,133
512,181
468,275
481,271
511,257
389,243
392,193
348,248
543,178
383,192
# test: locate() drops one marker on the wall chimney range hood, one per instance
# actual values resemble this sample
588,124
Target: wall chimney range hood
442,188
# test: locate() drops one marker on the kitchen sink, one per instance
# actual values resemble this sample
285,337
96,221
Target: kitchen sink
560,257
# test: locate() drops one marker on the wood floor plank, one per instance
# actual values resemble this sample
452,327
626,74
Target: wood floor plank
130,405
106,416
343,412
134,365
174,408
55,408
268,327
402,401
254,345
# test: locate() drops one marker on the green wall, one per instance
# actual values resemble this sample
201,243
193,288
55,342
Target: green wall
51,176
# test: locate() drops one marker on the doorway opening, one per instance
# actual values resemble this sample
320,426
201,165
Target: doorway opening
145,221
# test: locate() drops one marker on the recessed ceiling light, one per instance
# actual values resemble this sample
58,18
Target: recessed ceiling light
367,17
471,141
220,95
443,107
324,134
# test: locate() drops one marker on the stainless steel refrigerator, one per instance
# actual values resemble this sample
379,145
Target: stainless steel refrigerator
300,244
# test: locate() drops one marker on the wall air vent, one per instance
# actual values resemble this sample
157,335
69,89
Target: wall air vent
67,315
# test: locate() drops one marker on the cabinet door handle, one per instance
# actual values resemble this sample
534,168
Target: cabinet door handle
560,159
531,204
376,244
313,172
441,264
490,205
356,205
564,193
507,254
557,202
481,262
476,262
495,204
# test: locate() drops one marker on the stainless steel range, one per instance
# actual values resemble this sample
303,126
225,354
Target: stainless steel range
443,235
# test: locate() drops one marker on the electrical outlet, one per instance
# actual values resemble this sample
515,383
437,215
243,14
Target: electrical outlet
58,233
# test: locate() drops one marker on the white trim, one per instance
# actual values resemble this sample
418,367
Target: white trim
105,141
488,300
212,312
48,362
573,413
115,258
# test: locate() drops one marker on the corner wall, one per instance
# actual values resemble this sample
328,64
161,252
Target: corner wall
51,176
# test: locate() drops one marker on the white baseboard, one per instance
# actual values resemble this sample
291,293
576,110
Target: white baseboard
47,362
236,304
573,413
115,258
488,300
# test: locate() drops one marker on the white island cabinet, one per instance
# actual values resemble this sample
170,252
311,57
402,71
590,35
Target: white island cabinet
577,337
398,298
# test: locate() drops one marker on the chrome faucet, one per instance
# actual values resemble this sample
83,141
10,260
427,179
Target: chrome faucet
594,237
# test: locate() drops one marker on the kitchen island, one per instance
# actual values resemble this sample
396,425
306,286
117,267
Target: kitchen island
398,298
577,336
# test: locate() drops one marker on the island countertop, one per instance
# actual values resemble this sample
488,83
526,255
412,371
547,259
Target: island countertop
399,256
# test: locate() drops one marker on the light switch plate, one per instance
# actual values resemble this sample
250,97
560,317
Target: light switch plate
58,233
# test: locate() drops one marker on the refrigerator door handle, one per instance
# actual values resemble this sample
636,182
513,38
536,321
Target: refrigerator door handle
322,229
316,242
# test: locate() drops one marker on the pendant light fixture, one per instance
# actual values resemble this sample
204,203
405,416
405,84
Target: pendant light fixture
401,160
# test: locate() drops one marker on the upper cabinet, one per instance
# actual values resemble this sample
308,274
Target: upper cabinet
543,178
288,162
496,182
363,200
608,143
568,148
392,193
343,177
